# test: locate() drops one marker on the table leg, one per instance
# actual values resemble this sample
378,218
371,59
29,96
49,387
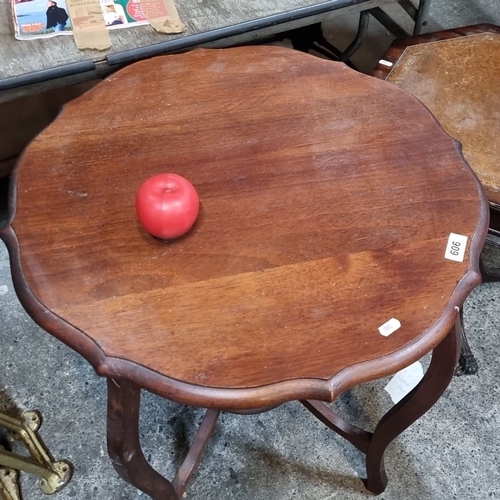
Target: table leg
125,449
467,364
124,446
401,416
412,407
356,436
421,17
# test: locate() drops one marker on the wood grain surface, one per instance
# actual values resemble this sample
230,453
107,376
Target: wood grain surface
327,198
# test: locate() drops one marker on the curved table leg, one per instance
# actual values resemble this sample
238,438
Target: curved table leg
467,364
125,449
412,407
356,436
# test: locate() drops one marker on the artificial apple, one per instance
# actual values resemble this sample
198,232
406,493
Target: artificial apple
167,206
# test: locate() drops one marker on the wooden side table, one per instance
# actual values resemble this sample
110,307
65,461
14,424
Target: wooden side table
326,213
455,74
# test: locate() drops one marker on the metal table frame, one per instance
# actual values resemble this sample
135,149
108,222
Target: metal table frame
112,62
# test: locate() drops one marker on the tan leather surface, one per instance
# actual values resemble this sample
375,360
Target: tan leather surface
459,81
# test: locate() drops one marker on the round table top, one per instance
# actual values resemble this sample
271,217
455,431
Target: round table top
327,201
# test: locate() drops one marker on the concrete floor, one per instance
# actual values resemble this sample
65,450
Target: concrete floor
451,453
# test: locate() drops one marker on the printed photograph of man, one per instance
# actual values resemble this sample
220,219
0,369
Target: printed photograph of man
57,17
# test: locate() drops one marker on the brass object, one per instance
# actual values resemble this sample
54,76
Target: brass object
9,490
53,475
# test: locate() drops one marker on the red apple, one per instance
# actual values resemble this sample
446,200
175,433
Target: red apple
167,206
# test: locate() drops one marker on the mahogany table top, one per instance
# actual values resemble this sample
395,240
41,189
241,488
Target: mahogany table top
327,199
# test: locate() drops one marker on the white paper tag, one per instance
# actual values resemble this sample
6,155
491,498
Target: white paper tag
385,63
389,327
455,249
404,381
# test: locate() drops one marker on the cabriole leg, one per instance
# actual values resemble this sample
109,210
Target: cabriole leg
125,450
412,407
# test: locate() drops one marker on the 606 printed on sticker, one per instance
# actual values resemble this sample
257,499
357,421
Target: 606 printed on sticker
455,249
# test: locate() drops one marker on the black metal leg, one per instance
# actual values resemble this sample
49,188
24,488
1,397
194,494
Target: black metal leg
422,14
312,38
388,23
419,16
364,20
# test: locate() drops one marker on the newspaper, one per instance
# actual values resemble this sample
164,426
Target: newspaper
43,19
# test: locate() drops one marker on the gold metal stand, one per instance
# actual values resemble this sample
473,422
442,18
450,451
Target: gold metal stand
53,475
9,489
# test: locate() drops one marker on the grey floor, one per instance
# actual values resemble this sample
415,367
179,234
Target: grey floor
451,453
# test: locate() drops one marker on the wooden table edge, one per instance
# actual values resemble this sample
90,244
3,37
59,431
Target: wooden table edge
256,397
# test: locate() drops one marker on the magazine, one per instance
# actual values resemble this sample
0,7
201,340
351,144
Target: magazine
42,18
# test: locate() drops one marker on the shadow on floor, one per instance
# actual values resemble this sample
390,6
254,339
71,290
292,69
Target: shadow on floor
7,404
